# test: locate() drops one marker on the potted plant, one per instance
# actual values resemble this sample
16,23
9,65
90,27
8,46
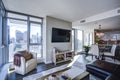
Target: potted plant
86,48
97,40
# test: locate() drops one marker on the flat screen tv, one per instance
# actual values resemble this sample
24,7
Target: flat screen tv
60,35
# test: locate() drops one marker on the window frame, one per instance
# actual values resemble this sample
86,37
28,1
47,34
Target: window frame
28,28
29,33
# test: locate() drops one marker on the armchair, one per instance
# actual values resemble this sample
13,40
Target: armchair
94,51
113,54
26,65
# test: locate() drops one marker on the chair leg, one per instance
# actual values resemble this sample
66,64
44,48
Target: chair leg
114,59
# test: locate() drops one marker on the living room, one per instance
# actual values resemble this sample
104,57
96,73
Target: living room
33,28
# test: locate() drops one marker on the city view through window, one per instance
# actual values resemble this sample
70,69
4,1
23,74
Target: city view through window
35,39
18,37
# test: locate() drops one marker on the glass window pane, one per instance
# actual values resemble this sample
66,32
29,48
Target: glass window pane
88,39
35,33
73,37
91,36
17,16
36,49
35,19
17,37
79,40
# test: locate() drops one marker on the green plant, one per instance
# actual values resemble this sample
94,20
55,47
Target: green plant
97,40
86,48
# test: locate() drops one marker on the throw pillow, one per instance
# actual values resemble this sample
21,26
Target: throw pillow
28,57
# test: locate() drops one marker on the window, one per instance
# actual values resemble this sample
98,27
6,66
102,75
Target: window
17,16
17,37
88,39
25,33
2,15
73,39
79,40
36,39
35,33
35,19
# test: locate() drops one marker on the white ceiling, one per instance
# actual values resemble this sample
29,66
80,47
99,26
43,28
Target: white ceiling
70,10
109,23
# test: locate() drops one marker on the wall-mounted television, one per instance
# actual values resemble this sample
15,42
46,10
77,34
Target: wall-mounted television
60,35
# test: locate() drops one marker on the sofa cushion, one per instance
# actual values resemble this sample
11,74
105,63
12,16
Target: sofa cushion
109,67
26,54
104,69
30,62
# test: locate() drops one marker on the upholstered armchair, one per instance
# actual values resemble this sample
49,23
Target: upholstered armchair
26,65
111,54
94,51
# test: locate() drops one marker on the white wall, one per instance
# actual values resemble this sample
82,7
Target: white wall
49,23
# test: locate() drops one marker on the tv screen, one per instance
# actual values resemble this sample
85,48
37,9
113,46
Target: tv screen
60,35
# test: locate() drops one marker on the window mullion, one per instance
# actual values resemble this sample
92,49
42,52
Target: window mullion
28,32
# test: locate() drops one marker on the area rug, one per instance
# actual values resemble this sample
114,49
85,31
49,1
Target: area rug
45,73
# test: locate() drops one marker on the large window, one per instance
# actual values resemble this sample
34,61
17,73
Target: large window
35,38
17,36
88,39
25,33
2,15
77,40
73,39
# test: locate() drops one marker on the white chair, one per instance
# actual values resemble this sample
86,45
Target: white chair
26,66
94,50
112,52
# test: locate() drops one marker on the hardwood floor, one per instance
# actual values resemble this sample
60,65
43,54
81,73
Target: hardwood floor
11,75
41,67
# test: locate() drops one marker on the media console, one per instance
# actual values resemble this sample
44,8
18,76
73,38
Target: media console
62,56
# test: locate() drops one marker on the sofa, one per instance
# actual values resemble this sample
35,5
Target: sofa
104,70
26,65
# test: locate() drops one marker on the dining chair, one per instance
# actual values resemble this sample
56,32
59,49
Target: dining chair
112,52
94,51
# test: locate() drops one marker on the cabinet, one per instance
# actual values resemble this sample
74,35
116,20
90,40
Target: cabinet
62,56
